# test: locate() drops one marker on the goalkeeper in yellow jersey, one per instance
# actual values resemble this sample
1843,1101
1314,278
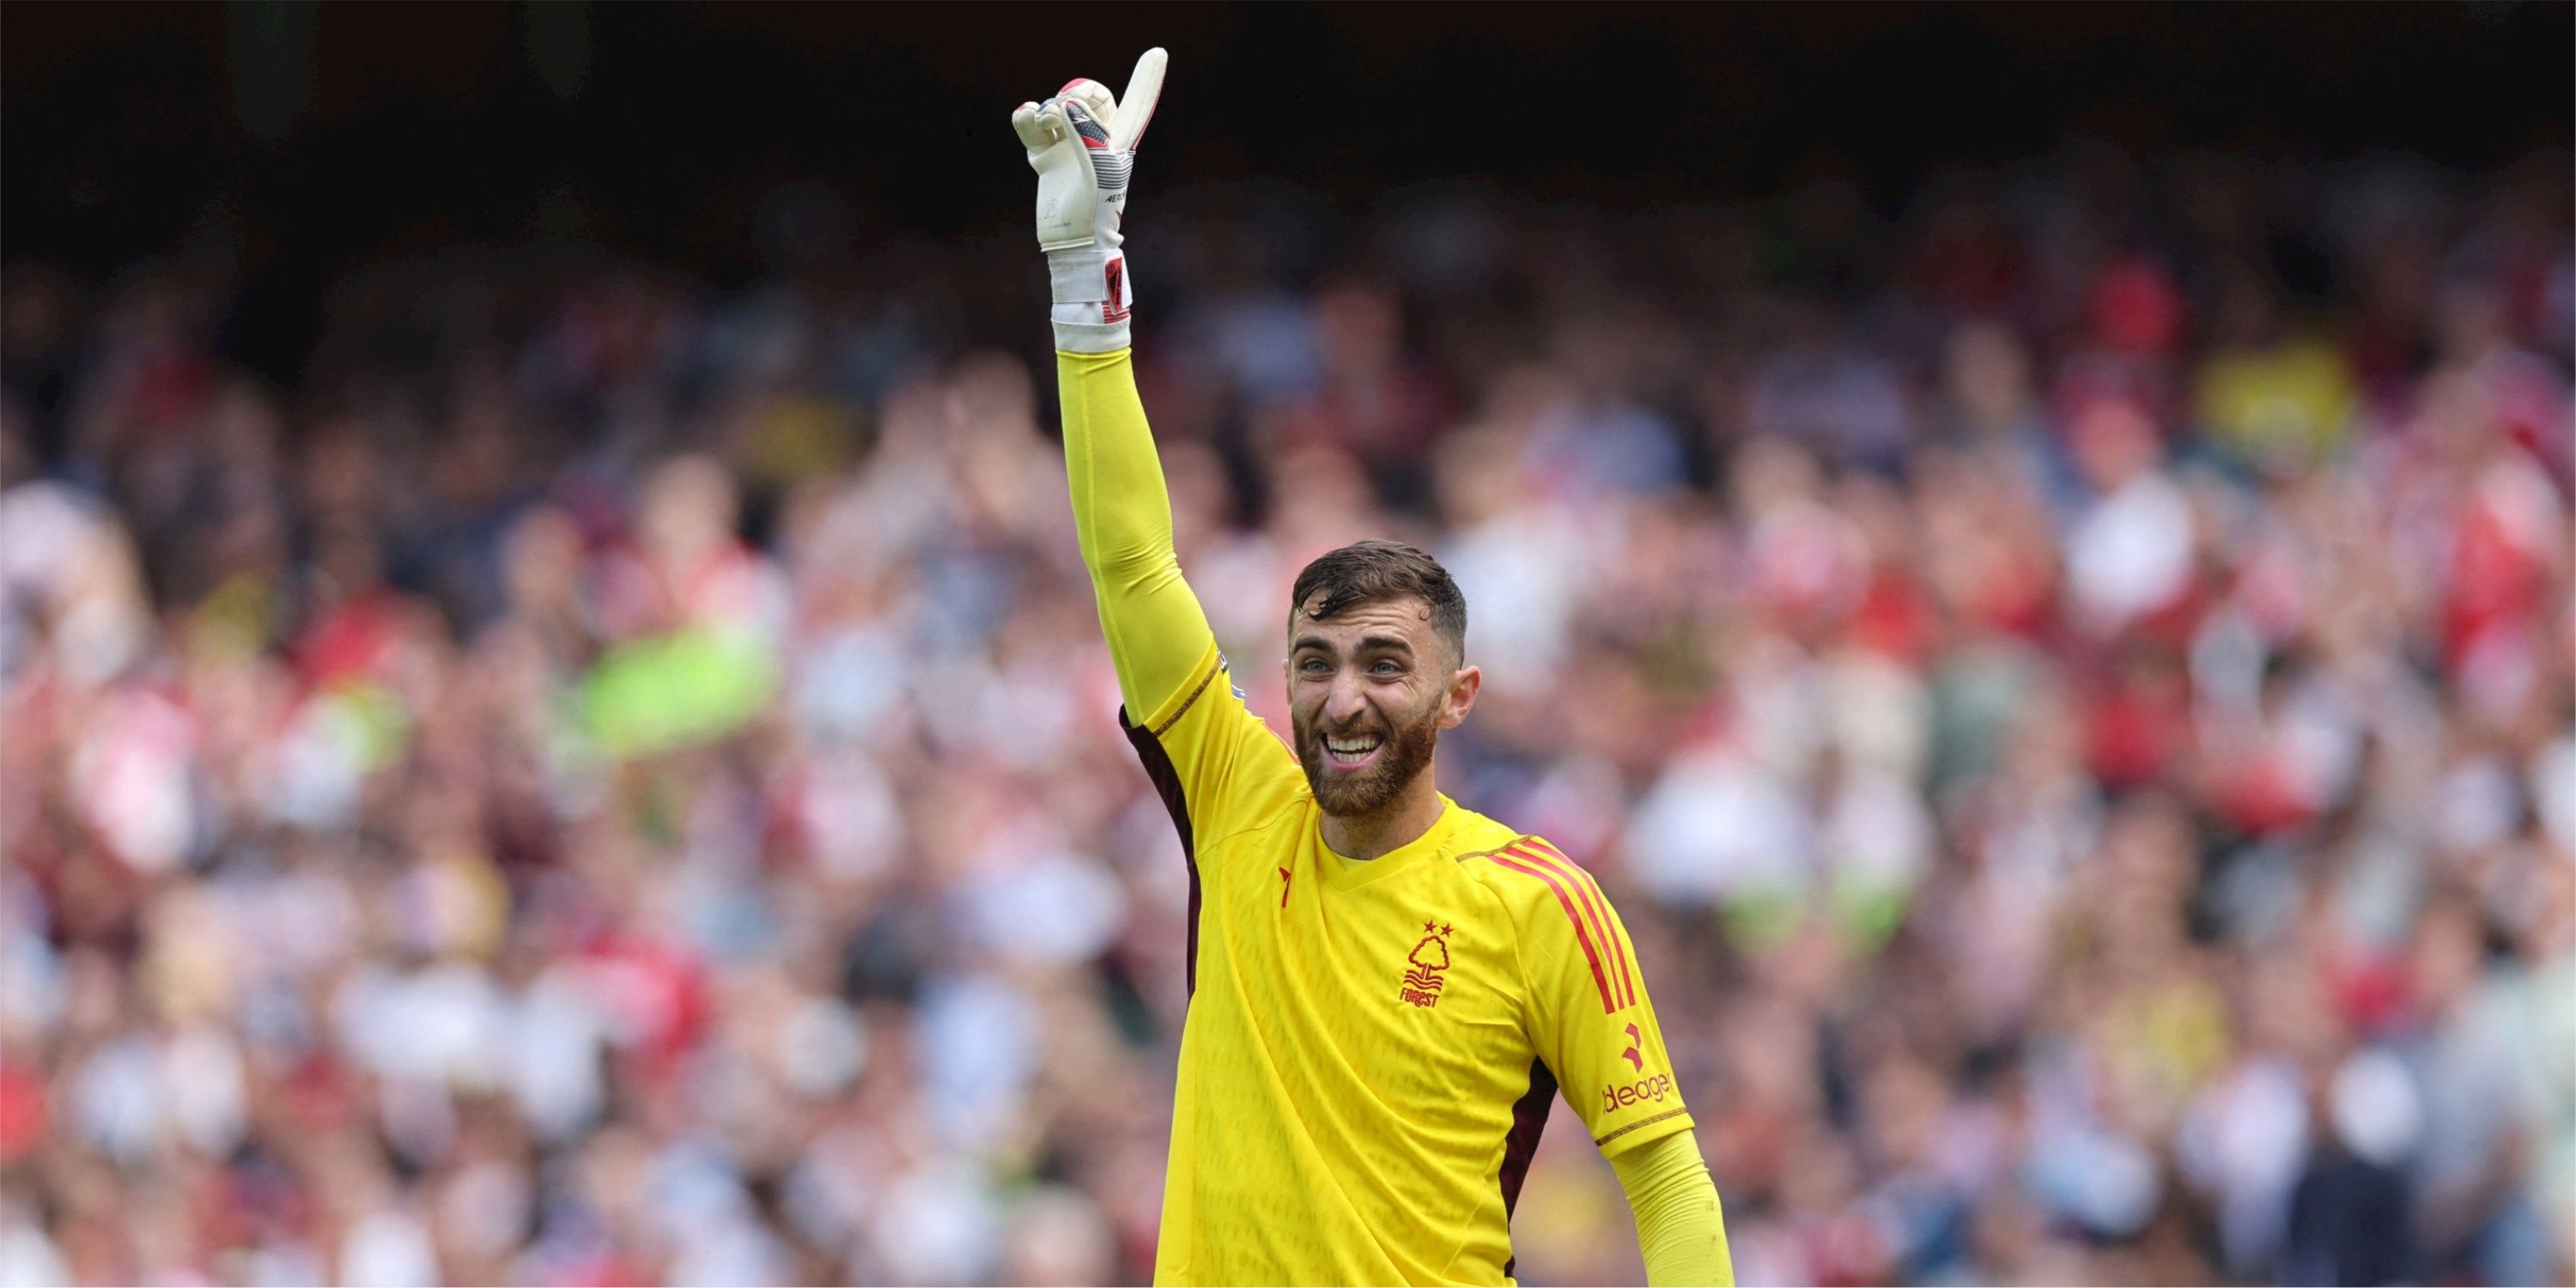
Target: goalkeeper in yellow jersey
1387,990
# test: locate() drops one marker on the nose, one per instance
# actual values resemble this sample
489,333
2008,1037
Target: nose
1346,702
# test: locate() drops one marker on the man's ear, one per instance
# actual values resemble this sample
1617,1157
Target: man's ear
1461,697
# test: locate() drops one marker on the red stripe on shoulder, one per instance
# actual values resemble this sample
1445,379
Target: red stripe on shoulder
1597,905
1512,859
1588,899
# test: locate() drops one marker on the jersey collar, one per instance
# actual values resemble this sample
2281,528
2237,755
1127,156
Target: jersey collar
1345,874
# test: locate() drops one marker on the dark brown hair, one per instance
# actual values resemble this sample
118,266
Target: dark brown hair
1368,571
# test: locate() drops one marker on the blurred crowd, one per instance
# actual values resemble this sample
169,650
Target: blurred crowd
609,778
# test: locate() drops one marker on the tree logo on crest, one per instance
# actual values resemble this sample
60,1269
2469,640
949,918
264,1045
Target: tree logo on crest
1423,966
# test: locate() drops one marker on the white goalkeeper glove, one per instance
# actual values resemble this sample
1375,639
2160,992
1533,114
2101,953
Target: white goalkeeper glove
1082,143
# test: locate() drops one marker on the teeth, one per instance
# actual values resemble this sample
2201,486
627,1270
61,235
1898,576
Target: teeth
1351,746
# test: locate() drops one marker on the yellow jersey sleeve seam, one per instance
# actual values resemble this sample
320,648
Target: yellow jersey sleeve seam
1214,669
1211,662
1677,1111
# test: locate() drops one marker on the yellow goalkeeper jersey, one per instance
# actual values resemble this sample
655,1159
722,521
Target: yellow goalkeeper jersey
1372,1047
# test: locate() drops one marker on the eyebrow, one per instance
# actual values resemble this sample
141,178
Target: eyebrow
1368,643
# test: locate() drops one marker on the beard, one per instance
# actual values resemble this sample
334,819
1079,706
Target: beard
1406,753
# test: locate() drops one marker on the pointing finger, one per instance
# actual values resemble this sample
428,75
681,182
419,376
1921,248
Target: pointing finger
1136,106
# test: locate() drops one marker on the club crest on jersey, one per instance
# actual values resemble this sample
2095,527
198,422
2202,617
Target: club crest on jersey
1425,964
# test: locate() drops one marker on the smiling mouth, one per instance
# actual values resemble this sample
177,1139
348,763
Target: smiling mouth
1352,753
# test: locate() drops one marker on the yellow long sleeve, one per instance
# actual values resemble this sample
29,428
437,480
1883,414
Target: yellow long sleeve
1122,514
1680,1227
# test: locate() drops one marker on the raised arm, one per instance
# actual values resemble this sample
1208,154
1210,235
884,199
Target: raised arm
1082,143
1216,765
1122,514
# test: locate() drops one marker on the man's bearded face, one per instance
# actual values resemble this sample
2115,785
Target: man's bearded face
1399,744
1365,689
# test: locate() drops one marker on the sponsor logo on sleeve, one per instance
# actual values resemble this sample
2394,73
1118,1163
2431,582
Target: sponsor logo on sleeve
1645,1091
1650,1091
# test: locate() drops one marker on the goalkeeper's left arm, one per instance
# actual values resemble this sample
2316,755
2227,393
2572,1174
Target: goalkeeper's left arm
1681,1231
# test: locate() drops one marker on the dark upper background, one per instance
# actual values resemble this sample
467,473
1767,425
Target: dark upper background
322,136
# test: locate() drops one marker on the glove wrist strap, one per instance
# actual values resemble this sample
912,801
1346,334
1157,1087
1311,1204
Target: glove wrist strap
1092,298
